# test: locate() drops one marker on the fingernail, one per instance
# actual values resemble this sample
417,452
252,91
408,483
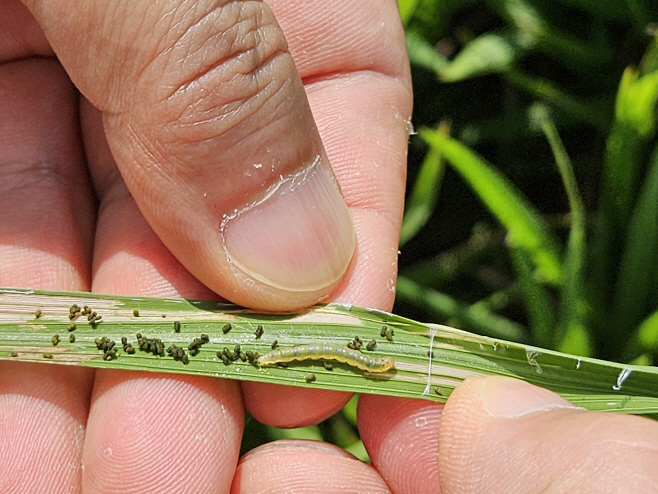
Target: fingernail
299,237
508,398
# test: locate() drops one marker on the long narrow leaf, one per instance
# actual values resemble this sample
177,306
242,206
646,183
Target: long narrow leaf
448,265
634,124
571,335
538,305
430,360
422,200
489,53
445,307
635,278
527,229
592,113
422,54
407,9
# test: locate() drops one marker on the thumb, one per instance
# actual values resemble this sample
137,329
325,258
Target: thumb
208,121
500,435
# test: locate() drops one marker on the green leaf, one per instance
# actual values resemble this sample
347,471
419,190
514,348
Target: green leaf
537,299
486,54
611,11
448,265
422,54
407,9
650,58
446,308
636,101
634,124
430,360
422,200
636,278
525,226
535,31
645,338
546,91
571,334
308,433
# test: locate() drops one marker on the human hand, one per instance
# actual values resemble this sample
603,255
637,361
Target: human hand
494,435
203,111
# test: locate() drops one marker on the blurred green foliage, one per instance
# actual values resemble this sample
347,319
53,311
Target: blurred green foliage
544,223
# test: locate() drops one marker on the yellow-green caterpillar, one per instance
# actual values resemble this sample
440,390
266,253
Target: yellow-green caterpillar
327,352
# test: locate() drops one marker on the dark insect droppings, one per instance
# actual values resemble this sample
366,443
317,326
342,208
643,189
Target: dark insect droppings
73,310
104,344
177,326
355,344
150,345
226,327
178,354
310,378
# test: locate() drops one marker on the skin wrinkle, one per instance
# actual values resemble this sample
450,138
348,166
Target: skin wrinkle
258,99
43,174
235,53
117,99
249,31
162,150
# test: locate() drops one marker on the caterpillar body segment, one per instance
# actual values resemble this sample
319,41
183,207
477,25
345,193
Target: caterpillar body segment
327,352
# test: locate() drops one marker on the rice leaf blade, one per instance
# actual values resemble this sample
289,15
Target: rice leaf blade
430,360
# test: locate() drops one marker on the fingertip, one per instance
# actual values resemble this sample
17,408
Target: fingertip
401,437
288,406
505,397
501,435
145,428
305,467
